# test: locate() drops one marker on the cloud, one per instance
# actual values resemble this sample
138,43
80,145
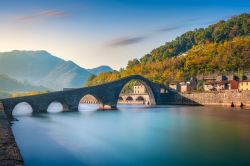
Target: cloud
140,38
126,41
167,29
22,18
41,16
178,25
53,13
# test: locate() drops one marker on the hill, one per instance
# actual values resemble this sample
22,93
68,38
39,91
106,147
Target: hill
220,48
40,68
216,33
9,85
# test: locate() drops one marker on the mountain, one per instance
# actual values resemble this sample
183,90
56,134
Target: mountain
8,86
100,69
221,48
40,68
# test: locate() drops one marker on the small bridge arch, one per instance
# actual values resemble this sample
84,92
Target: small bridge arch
129,98
90,99
140,98
63,106
120,98
22,108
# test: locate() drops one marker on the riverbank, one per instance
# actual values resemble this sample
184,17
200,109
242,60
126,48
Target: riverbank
9,152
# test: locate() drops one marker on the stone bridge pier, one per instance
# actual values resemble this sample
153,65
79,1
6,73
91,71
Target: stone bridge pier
106,94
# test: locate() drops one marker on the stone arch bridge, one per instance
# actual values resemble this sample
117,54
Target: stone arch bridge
107,95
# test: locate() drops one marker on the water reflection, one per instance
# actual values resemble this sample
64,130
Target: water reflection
83,107
22,109
55,107
133,135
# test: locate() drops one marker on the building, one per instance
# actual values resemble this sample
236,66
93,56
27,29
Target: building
212,77
234,84
230,82
221,85
244,85
139,88
175,86
185,87
208,86
206,78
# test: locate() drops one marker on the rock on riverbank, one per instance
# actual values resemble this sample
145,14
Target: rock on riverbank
9,152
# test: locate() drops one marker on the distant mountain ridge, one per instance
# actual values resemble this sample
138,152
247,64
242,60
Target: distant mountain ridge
100,69
40,68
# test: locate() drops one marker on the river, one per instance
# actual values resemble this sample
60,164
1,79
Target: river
136,135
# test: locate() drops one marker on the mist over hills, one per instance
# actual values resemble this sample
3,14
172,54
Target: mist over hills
40,68
8,84
10,87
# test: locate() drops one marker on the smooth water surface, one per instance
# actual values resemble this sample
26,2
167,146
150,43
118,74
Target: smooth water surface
136,135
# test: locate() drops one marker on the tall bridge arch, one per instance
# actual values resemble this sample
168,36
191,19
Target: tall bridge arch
148,87
107,95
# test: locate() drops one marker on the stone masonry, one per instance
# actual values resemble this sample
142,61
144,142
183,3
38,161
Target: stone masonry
224,98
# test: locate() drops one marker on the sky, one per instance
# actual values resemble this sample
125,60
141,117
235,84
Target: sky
105,32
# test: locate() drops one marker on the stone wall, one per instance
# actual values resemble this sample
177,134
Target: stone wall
214,98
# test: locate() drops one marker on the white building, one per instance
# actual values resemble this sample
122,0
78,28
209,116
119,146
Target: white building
139,88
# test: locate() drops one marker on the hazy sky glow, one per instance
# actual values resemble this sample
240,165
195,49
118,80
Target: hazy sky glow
105,32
